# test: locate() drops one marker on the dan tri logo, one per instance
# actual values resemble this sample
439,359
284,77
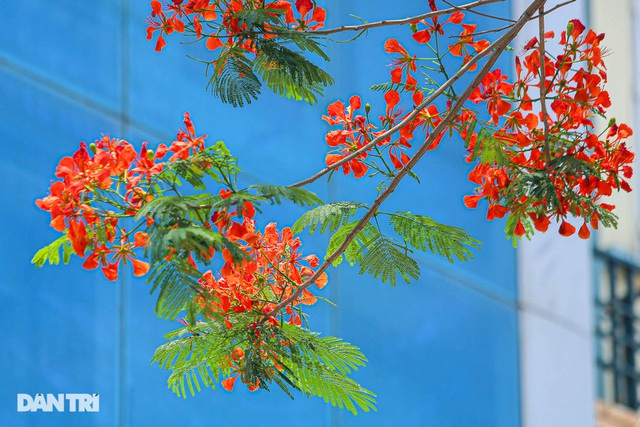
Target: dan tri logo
61,402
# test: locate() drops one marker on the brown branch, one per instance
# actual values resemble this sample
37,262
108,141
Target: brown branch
558,6
411,116
497,47
506,27
486,15
408,119
543,86
386,23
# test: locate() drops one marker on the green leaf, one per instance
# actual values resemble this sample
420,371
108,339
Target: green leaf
354,251
289,73
233,80
51,252
193,352
332,215
493,149
319,365
422,233
275,194
167,208
386,259
198,356
177,282
199,239
215,161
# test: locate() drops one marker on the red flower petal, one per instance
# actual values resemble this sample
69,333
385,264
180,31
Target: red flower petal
141,239
213,43
110,271
140,268
422,36
519,230
584,232
228,383
566,229
392,46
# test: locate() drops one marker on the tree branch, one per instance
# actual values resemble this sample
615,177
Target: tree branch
386,23
543,86
497,47
486,15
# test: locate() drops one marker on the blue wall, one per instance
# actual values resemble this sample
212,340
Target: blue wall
442,351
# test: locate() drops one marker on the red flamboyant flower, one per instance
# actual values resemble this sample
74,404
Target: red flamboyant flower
465,40
404,63
160,21
187,143
273,272
492,90
312,21
525,146
352,137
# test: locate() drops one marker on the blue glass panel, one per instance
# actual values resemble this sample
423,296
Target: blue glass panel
74,44
60,324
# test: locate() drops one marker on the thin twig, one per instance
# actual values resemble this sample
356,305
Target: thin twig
404,21
497,47
543,86
486,15
506,27
408,119
479,33
558,6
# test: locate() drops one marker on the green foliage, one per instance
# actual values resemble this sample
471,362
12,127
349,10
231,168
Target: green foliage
382,256
488,149
400,87
353,252
377,254
313,365
275,194
386,258
289,73
177,282
198,351
194,239
233,80
172,274
215,161
422,233
51,252
320,366
332,215
166,208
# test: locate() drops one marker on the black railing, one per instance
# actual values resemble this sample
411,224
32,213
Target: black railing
617,296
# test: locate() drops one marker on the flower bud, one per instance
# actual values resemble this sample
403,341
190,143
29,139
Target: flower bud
413,27
93,148
612,121
569,29
150,155
367,108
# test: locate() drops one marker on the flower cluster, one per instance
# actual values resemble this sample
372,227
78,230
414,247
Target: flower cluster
109,180
548,167
270,274
103,183
535,168
357,131
225,18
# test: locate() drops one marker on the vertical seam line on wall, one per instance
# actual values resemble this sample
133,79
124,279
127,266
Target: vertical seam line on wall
516,279
121,414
